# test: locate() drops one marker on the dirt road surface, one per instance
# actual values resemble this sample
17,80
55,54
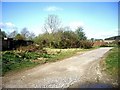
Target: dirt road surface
62,74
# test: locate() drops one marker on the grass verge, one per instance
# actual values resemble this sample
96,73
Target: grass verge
15,62
111,62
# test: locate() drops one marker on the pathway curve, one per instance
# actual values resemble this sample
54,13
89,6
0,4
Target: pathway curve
61,74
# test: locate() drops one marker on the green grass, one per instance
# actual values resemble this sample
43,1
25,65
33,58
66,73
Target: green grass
111,61
13,61
63,55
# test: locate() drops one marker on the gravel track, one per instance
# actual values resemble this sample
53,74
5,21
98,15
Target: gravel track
61,74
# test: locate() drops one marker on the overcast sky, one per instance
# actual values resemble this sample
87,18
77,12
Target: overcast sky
99,19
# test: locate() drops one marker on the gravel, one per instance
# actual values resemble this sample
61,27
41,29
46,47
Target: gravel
61,74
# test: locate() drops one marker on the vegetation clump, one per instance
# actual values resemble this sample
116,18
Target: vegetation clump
30,48
22,57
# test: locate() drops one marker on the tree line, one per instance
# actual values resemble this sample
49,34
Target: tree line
54,36
24,34
64,39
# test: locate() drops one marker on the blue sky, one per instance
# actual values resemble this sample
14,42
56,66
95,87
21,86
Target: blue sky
99,19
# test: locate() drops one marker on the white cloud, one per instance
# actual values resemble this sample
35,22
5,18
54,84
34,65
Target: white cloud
75,24
7,25
118,30
94,32
36,30
98,34
53,8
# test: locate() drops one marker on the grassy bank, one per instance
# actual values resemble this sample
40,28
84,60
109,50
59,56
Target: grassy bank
13,61
111,62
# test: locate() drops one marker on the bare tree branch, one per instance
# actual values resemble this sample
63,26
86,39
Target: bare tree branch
52,23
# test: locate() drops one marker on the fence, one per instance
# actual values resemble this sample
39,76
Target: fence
10,44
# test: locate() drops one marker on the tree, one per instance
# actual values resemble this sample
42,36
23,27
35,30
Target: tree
13,34
31,36
3,34
25,33
19,37
92,39
52,23
70,38
80,33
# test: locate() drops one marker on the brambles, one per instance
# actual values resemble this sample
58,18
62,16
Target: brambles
30,48
22,57
86,44
9,59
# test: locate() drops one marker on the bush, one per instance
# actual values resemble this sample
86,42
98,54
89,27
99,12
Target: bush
46,56
30,55
9,59
112,44
30,48
54,44
12,59
86,44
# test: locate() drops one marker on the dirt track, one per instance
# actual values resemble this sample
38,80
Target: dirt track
70,72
